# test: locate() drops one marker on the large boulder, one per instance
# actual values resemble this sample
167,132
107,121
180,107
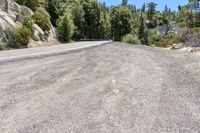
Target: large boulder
19,18
38,33
1,32
10,7
197,49
4,5
162,29
26,11
37,28
15,7
192,39
52,32
177,46
6,21
11,18
18,25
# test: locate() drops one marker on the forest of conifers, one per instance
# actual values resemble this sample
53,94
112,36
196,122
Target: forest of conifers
89,19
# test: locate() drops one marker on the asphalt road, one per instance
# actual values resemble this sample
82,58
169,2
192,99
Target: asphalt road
113,88
20,54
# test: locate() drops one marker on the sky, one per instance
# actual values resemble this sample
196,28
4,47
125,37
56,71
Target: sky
173,4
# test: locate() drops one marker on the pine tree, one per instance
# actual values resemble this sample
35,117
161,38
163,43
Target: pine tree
141,31
166,10
124,2
151,11
52,7
196,7
143,8
146,39
134,8
65,27
91,16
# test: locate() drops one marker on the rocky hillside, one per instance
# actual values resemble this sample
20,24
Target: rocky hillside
11,17
192,39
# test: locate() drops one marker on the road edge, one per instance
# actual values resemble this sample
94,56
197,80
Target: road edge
49,53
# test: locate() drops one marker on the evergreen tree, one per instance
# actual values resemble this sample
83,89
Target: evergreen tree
151,11
195,4
143,8
120,22
105,25
53,6
146,39
134,8
65,27
33,4
124,2
166,10
166,15
78,19
141,31
92,16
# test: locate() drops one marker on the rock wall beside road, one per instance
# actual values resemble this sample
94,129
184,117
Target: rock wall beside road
11,17
192,40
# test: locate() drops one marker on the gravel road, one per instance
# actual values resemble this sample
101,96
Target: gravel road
112,88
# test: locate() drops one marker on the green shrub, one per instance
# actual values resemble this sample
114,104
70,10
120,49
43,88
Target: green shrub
21,2
28,22
65,27
167,40
33,4
10,36
182,24
1,46
155,40
21,37
152,32
132,39
42,19
196,29
175,38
